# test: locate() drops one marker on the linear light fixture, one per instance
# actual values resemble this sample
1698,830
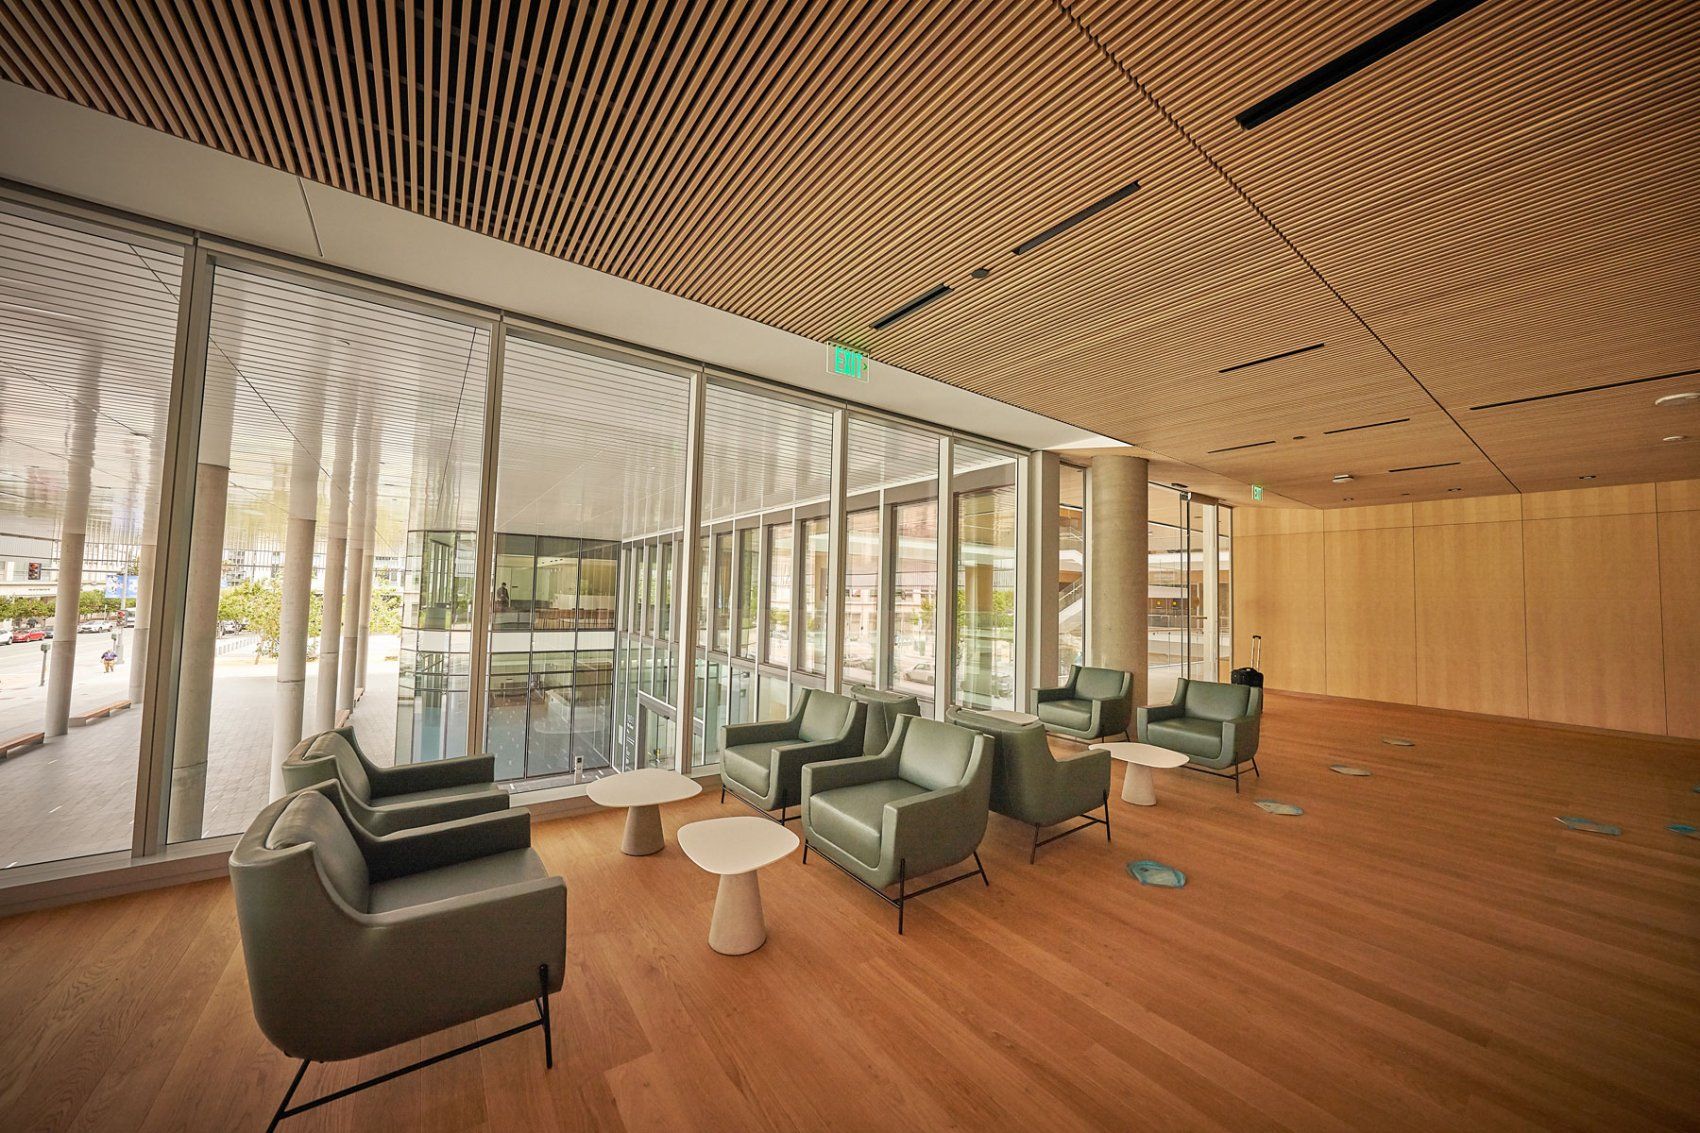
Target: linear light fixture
1372,50
912,306
1584,389
1084,214
1371,425
1236,448
1273,357
1423,467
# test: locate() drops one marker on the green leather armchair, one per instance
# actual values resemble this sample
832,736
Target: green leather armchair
1031,785
1214,725
883,710
918,806
355,942
1095,704
387,799
762,764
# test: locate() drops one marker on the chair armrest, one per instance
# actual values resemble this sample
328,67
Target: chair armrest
1041,695
444,844
834,773
1093,763
766,732
1239,736
914,825
1146,713
788,757
432,775
409,814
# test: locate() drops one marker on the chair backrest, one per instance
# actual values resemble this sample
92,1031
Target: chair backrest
1022,762
1210,700
1100,684
932,754
312,819
350,772
883,710
825,715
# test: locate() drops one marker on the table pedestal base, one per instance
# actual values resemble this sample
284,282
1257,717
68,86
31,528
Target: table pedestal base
643,831
738,926
1137,786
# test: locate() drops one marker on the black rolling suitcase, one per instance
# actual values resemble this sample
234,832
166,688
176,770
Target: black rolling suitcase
1251,674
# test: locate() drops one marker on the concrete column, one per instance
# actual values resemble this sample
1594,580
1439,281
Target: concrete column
290,699
1044,480
355,556
363,636
336,571
1117,566
144,617
200,651
73,533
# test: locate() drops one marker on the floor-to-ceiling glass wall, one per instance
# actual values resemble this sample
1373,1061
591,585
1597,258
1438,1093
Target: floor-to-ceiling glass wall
341,431
589,483
88,319
1071,568
1188,627
983,484
766,483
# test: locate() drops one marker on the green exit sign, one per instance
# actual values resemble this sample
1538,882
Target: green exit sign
1257,491
848,363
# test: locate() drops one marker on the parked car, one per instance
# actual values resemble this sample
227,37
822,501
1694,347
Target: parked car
95,627
33,633
5,635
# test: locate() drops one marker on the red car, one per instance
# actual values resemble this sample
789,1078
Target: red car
35,633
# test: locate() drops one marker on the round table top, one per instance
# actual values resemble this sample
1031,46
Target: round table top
647,786
1006,715
736,845
1146,755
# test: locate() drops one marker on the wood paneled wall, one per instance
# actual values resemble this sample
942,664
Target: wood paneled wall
1580,607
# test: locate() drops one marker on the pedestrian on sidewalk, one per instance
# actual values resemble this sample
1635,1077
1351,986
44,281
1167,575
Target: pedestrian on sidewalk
109,659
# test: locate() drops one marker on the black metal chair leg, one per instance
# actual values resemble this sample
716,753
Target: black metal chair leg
902,867
982,869
1033,855
1107,816
283,1106
1254,769
805,851
548,1032
1236,778
723,794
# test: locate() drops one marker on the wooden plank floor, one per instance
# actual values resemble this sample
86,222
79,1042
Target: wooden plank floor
1424,949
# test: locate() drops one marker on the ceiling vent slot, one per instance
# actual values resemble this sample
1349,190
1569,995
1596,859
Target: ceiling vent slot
1273,357
912,306
1084,214
1371,425
1371,51
1237,448
1584,389
1423,467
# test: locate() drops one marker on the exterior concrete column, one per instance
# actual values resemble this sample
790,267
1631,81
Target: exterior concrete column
362,640
1118,569
1044,522
336,569
290,699
73,535
355,555
144,615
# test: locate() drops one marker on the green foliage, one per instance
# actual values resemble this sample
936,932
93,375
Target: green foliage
386,610
20,607
258,604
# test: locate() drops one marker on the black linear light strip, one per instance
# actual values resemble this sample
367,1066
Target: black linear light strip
1585,389
1236,448
912,306
1422,467
1086,213
1372,50
1273,357
1371,425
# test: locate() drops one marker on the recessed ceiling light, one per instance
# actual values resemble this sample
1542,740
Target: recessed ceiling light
979,273
1176,484
1677,437
1588,477
1343,478
1348,499
1454,489
1678,398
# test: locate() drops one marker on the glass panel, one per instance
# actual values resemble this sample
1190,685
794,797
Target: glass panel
861,595
985,577
915,589
814,536
775,699
779,594
1071,569
723,592
334,426
87,327
1168,593
749,589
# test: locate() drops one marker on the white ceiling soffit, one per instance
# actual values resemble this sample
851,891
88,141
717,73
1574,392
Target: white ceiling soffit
55,145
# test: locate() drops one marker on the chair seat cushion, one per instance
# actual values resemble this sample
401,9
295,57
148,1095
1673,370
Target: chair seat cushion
1186,735
457,880
749,765
1076,714
851,817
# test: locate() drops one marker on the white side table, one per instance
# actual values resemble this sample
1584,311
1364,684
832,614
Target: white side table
1137,787
735,848
1006,715
642,792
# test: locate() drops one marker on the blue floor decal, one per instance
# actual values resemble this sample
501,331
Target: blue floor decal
1589,826
1683,828
1156,873
1274,807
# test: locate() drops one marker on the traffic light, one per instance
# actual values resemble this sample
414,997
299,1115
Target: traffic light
35,572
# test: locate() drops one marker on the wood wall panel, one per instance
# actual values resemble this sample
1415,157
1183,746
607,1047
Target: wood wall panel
1596,640
1471,653
1367,518
1370,614
1679,495
1619,499
1276,521
1679,592
1278,593
1476,509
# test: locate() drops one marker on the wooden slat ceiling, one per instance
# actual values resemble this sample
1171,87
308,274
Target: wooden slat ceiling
1501,210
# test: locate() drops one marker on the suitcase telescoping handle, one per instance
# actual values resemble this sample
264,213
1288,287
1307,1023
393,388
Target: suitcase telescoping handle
1257,651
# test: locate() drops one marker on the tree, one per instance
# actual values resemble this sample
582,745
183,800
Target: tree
258,605
386,610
